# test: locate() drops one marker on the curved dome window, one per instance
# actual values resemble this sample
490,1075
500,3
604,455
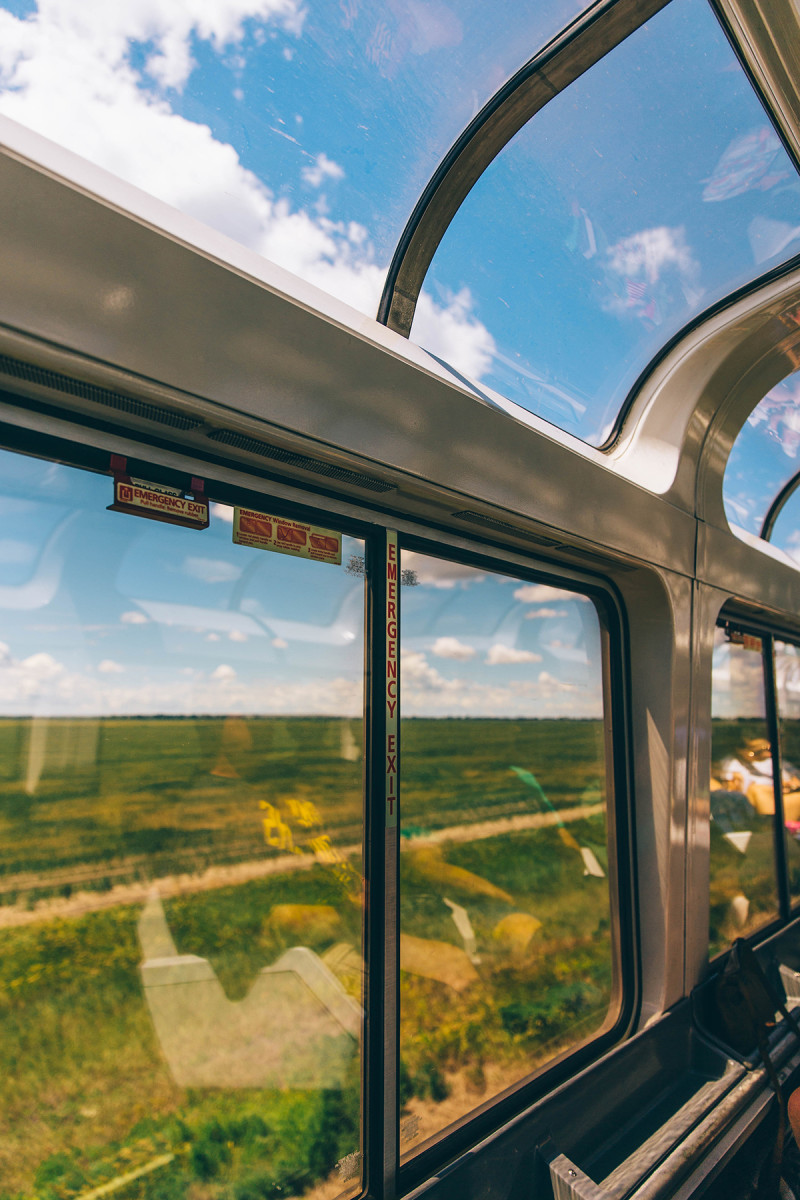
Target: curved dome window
305,131
645,192
786,534
764,458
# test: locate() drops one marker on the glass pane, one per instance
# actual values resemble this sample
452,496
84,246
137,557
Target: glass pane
786,531
743,885
505,951
787,678
181,830
763,459
305,131
648,189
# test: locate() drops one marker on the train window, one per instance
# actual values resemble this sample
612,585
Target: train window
743,882
277,123
649,188
787,680
763,459
181,821
785,534
505,953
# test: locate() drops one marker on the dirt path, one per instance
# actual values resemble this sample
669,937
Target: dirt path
169,886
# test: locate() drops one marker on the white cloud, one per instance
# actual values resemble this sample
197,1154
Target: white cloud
545,614
68,73
42,665
438,572
450,647
14,551
500,655
537,593
223,511
321,168
552,684
236,635
211,570
133,618
280,643
223,673
109,667
649,251
453,333
213,637
416,672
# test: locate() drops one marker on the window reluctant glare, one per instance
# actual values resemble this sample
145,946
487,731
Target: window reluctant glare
305,129
506,947
650,188
181,762
765,456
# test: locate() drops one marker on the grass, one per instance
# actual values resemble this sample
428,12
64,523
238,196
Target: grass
88,1096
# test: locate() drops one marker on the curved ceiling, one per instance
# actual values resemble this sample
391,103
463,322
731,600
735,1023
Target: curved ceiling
647,187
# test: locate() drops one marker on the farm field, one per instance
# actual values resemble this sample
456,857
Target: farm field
109,1081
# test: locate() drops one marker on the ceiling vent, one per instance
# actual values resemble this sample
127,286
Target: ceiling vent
15,369
492,523
253,446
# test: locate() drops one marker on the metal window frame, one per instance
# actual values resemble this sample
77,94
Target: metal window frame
772,722
569,55
382,1176
486,1118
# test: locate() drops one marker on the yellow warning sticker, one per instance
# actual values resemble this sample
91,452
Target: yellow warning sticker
285,536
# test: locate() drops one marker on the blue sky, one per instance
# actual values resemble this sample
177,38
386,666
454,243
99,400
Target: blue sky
106,614
650,188
307,129
763,460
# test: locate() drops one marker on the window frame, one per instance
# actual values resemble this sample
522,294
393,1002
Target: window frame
474,1126
768,635
229,483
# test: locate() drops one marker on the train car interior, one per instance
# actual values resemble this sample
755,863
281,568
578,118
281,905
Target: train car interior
399,599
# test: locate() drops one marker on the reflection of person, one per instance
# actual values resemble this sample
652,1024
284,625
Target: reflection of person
748,775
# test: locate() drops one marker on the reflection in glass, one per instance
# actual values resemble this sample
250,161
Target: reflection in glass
648,189
181,970
505,950
763,459
787,680
743,894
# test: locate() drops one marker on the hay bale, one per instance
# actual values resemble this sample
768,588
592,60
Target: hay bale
441,961
305,922
516,932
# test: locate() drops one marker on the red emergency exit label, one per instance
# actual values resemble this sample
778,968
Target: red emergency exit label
141,499
392,601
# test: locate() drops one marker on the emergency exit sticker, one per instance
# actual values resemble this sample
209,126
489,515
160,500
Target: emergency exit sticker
392,601
286,537
142,499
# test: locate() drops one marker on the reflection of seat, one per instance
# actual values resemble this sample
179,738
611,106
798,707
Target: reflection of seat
297,1027
730,809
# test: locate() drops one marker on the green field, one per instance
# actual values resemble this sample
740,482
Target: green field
90,809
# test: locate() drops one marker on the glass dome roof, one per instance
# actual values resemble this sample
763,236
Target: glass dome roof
765,456
305,129
650,188
786,534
